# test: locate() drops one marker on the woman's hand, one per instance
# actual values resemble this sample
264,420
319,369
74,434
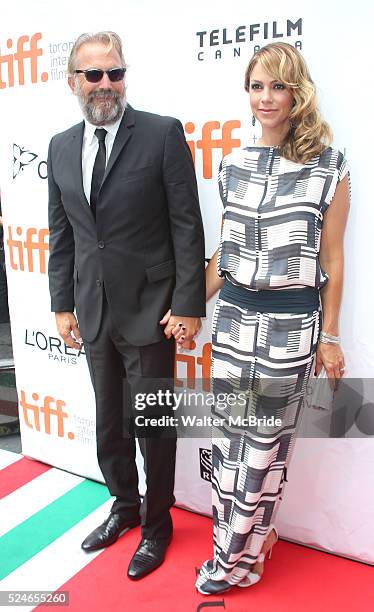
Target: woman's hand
184,329
331,357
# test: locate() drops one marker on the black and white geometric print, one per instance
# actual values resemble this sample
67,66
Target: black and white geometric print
273,213
263,361
269,357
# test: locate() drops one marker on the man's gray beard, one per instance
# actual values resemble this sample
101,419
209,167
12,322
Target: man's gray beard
109,110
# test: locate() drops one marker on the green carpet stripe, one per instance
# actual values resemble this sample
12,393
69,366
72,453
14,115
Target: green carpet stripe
35,533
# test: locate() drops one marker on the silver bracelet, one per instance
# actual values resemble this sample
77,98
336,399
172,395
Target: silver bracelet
326,338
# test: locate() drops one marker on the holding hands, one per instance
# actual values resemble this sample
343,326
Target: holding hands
184,329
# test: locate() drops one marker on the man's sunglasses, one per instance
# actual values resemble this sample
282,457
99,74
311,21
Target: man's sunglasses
94,75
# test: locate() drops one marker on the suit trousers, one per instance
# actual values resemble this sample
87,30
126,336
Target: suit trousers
122,374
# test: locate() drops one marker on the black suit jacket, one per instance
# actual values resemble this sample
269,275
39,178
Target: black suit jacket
147,245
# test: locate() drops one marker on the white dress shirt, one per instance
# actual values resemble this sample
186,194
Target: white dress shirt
90,148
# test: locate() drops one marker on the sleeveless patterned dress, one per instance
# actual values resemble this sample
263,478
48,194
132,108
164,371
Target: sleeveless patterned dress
272,222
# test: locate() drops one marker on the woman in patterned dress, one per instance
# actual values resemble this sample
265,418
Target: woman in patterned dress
279,267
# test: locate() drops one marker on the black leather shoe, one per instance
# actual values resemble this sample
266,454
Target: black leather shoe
148,556
108,532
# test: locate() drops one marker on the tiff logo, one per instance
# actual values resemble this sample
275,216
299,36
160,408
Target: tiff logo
25,48
189,365
22,251
40,415
207,143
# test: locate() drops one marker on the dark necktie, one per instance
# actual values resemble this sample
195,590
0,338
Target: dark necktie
98,169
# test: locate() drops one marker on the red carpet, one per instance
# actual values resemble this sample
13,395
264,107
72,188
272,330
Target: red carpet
19,473
296,579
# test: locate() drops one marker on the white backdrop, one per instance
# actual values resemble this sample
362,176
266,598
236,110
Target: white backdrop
329,499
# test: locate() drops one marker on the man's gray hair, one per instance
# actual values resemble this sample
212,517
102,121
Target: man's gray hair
110,39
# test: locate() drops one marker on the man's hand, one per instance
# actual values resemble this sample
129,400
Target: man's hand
184,329
67,327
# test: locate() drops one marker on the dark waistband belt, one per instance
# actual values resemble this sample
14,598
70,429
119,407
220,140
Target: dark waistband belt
293,301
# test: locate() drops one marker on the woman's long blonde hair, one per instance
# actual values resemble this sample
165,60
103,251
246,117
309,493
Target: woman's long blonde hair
309,134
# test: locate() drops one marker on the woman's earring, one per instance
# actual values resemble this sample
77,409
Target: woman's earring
253,120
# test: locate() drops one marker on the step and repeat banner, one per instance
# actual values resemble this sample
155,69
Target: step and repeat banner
190,64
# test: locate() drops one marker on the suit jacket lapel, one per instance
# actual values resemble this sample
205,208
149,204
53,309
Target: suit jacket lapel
76,161
122,137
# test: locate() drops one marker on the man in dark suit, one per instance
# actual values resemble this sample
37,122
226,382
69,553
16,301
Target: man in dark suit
126,247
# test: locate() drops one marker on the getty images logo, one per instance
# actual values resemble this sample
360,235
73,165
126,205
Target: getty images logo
23,157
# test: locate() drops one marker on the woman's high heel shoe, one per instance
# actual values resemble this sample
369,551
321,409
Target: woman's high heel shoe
270,549
216,588
254,577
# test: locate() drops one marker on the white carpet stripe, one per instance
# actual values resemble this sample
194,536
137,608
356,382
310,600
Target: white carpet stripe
59,561
33,496
7,458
